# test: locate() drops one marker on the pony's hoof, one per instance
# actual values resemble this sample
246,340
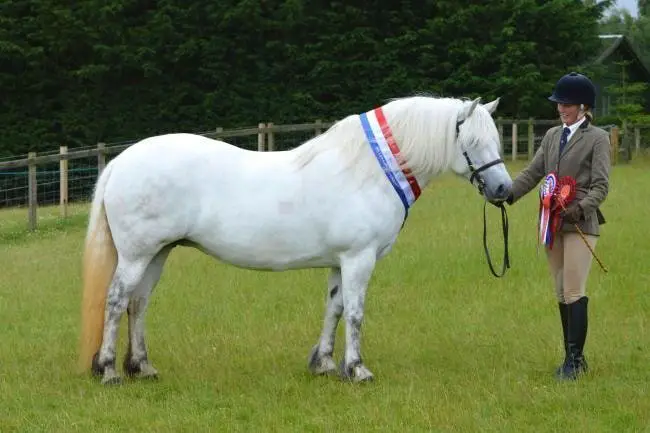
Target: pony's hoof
96,369
147,372
140,369
107,371
111,379
356,372
320,364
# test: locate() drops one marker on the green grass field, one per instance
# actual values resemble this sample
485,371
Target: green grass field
452,348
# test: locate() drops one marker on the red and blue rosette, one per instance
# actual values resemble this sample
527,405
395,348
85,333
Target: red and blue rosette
565,191
546,210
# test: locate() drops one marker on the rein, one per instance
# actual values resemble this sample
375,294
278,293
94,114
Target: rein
504,215
504,225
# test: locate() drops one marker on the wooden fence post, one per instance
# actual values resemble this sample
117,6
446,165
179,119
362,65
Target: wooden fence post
32,191
531,138
614,137
63,181
101,158
501,136
260,137
637,141
318,127
271,138
514,141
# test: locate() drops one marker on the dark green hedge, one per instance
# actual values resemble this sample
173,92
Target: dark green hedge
76,73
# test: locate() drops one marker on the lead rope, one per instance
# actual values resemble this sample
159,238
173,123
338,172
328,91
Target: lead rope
504,225
504,214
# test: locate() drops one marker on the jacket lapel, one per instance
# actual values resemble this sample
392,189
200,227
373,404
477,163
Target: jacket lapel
577,137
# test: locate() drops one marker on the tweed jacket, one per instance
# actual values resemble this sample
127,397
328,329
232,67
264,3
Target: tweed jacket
586,158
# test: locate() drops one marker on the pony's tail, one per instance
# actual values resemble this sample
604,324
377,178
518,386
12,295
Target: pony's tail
99,262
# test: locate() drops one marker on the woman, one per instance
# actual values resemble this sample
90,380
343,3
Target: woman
580,150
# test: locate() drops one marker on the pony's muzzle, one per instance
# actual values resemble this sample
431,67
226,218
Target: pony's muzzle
499,193
502,191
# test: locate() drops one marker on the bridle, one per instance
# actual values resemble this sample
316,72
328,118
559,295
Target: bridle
476,176
480,183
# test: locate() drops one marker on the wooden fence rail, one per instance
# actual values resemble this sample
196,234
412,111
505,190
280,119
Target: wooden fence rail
266,142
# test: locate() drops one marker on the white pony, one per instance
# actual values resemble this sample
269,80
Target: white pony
337,201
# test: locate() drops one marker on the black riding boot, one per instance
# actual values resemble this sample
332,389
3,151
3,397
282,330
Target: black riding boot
575,363
564,317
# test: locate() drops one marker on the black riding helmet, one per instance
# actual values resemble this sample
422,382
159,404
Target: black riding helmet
574,88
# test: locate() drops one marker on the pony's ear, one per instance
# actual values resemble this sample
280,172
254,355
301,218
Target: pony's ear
468,109
491,107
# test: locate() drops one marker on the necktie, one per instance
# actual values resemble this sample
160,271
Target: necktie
563,140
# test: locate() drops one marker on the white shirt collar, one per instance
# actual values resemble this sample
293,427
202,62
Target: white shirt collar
573,128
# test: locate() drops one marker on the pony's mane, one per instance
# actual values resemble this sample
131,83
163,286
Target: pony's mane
424,128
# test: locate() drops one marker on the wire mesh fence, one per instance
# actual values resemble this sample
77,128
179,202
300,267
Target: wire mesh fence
641,140
287,139
62,177
248,142
528,135
13,187
80,177
627,142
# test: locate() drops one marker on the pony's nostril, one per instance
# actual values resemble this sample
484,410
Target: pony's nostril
501,190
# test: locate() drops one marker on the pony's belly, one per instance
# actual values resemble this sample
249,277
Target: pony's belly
261,257
292,249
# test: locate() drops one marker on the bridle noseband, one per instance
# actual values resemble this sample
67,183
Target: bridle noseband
480,183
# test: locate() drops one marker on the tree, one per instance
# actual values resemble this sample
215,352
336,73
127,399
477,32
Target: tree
644,8
628,105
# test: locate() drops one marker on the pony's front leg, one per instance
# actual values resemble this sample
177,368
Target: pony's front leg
356,272
320,359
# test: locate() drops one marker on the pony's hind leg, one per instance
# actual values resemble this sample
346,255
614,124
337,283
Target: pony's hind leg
136,361
126,278
320,359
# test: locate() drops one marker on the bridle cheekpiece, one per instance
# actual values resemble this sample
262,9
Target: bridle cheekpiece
476,176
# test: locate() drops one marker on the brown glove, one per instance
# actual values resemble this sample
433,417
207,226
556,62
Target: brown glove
573,213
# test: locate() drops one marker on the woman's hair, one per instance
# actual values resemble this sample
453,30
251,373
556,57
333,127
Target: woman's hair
586,109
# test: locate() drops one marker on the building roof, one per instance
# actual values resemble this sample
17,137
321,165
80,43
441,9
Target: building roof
612,42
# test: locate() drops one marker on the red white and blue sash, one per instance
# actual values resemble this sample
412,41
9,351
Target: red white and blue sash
388,155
